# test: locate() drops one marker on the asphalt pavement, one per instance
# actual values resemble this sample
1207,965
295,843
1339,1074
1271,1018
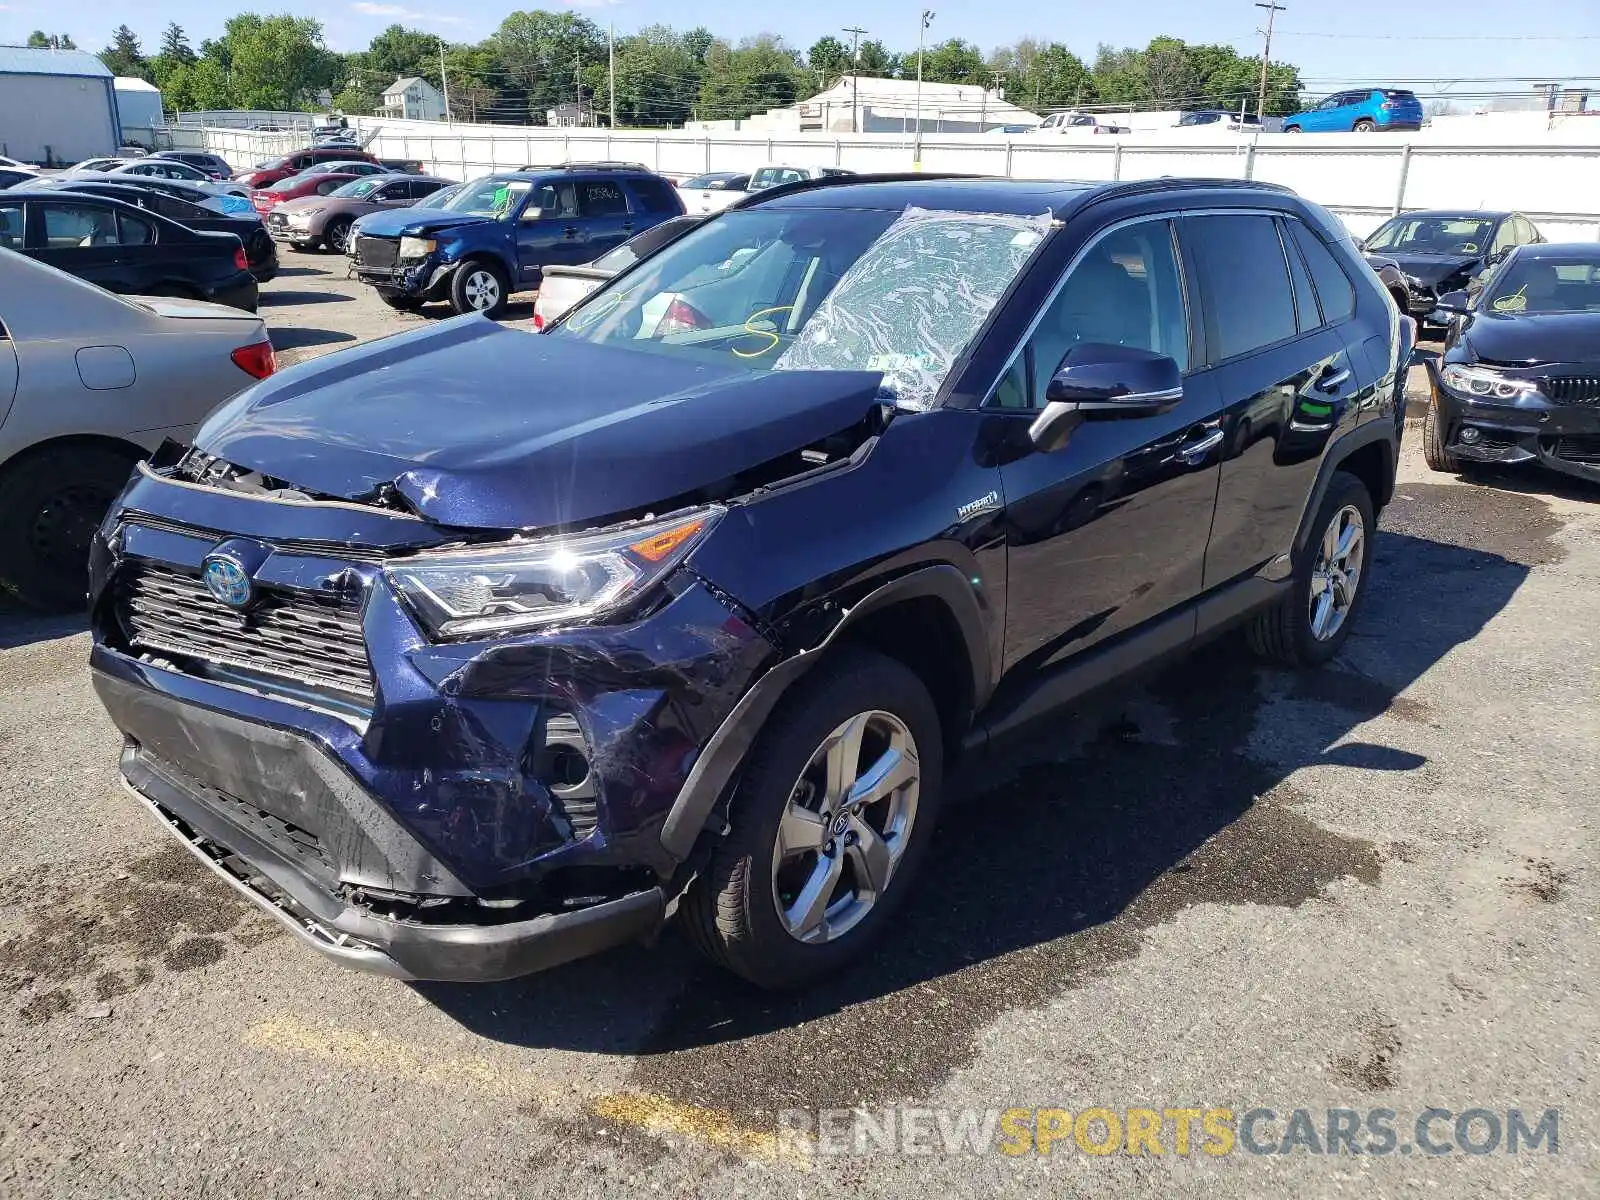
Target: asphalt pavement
1235,888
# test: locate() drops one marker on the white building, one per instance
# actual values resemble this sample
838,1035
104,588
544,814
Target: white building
56,106
412,99
869,104
138,106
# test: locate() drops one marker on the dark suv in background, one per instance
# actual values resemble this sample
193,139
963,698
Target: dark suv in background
467,652
496,235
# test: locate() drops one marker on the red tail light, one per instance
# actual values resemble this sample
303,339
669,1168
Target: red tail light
256,360
239,260
681,317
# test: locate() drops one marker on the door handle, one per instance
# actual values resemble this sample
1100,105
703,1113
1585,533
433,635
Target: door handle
1191,453
571,231
1329,383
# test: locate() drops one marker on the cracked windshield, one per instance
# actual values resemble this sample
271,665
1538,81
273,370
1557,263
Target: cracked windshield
821,290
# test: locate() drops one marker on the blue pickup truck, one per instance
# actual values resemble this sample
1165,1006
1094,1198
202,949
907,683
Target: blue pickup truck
496,234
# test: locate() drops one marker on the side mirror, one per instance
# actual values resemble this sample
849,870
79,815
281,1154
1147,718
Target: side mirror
1097,381
1453,302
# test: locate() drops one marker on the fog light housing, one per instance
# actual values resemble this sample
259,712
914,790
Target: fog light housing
1469,435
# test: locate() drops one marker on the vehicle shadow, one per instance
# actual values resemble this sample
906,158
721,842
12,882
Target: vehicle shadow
23,627
296,272
298,337
280,299
1059,856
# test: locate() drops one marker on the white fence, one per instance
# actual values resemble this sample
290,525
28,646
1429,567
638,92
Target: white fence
1364,178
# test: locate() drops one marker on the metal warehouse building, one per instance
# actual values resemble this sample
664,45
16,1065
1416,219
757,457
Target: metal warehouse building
56,106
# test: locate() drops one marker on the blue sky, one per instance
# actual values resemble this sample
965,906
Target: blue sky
1332,41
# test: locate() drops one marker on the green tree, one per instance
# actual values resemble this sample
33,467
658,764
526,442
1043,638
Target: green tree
196,87
40,40
761,73
1055,78
953,61
175,45
543,55
873,58
277,62
829,58
123,56
658,78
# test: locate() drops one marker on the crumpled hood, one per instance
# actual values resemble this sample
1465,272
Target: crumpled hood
408,222
1533,338
479,426
1433,269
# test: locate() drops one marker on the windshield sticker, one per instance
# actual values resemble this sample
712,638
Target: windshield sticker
910,304
1516,302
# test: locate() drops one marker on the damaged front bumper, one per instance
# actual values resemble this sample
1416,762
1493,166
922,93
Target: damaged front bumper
465,811
1535,431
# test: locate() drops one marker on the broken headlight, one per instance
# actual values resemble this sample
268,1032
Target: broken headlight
531,584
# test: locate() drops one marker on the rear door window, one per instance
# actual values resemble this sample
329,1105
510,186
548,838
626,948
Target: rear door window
1305,299
135,231
601,198
1246,295
1334,290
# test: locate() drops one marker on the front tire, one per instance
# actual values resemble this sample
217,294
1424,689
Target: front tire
408,304
53,502
1292,129
1433,450
336,237
833,816
479,287
1307,626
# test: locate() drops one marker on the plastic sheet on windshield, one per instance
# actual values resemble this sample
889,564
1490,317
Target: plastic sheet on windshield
910,304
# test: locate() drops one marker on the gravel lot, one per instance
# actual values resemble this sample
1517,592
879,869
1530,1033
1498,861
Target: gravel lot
1370,887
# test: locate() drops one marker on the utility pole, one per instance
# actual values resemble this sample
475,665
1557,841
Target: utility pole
577,84
444,83
611,86
855,33
922,32
983,105
1273,9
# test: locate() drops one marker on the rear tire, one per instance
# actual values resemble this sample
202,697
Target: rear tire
1287,633
53,502
479,287
735,913
1433,450
1364,126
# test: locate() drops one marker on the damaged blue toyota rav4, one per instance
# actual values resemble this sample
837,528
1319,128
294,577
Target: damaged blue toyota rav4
472,651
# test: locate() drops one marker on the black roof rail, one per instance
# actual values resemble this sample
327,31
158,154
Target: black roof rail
602,165
806,185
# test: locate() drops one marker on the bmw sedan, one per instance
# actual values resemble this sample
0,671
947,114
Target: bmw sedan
1519,379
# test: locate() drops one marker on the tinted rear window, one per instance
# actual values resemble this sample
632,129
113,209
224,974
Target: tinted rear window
1244,281
1394,94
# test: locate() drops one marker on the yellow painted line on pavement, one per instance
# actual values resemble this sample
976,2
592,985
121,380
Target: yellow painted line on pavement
644,1111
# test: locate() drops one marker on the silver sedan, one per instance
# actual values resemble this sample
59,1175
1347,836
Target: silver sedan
90,383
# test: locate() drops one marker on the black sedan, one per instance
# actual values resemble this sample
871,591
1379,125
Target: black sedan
126,249
1440,251
259,249
1519,379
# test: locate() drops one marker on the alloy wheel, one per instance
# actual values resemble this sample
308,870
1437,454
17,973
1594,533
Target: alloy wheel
1336,574
482,290
338,237
846,827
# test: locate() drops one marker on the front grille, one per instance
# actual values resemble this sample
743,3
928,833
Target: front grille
1573,389
1584,448
290,636
377,252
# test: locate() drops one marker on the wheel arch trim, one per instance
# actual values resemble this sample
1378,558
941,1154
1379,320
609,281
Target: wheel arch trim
719,760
